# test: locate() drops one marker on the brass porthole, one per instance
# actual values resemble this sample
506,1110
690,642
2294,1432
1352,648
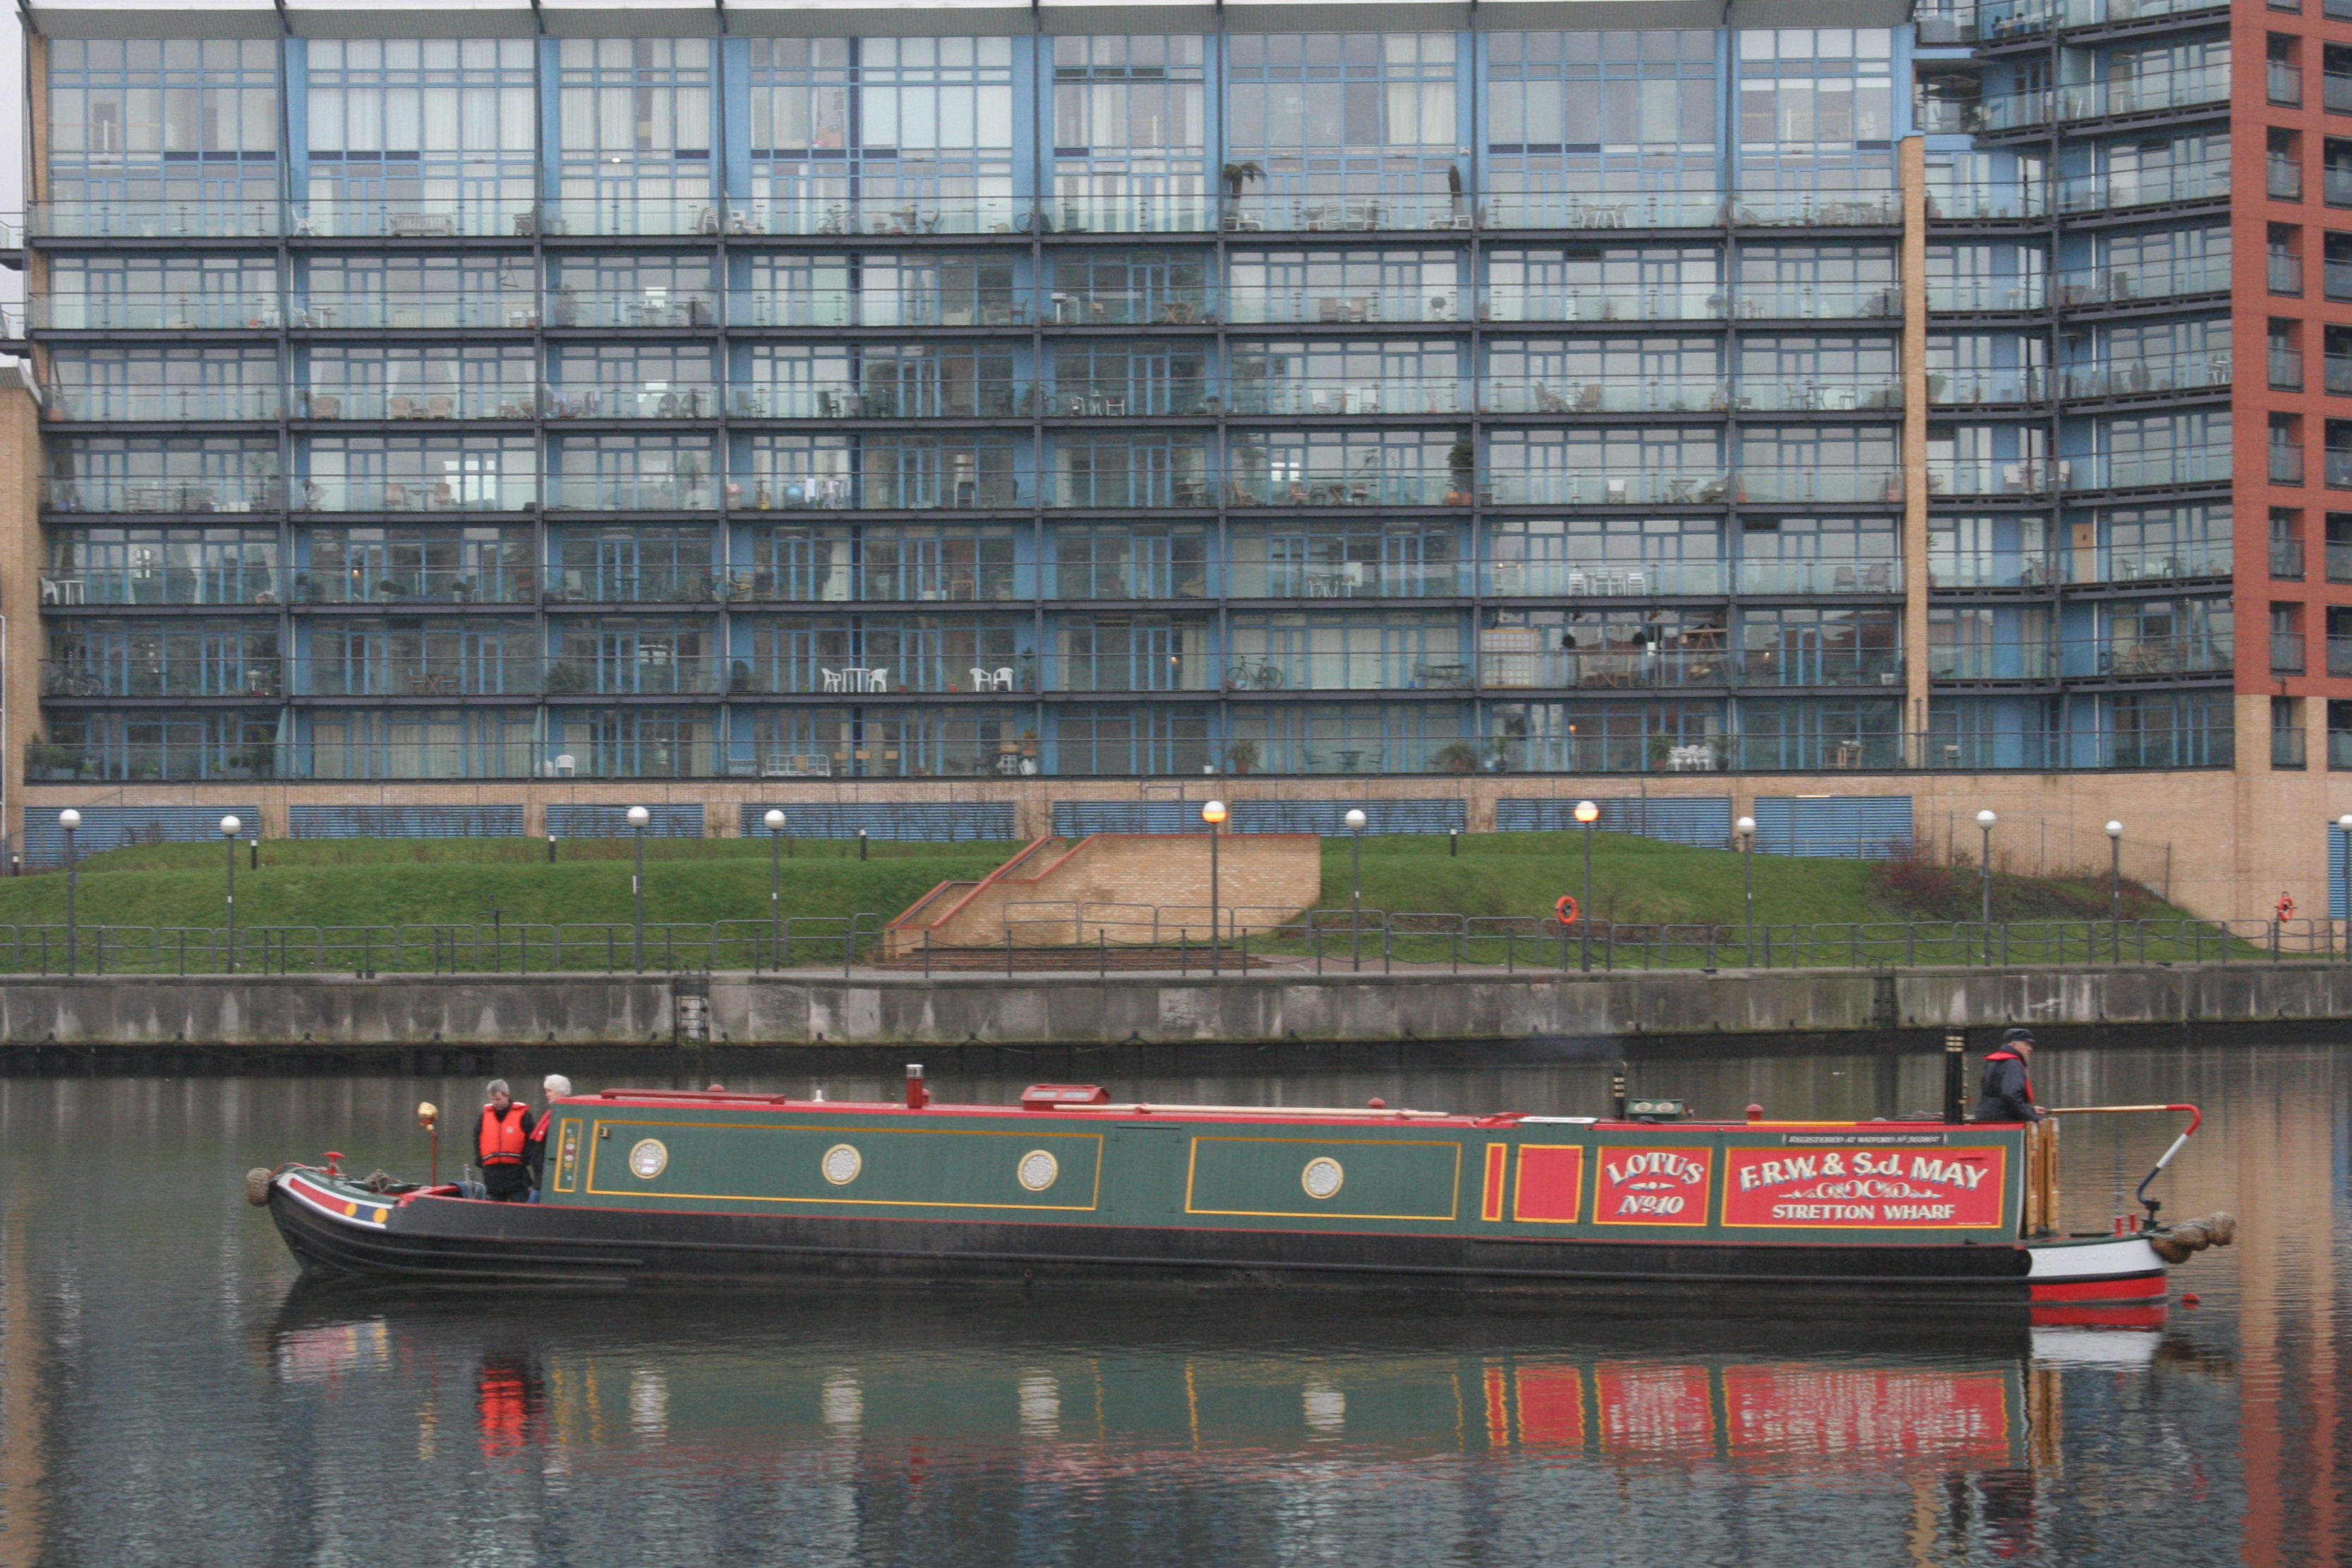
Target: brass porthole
1322,1177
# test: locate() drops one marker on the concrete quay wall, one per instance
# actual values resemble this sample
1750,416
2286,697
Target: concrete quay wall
297,1011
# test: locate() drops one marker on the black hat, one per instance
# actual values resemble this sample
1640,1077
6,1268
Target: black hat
2011,1037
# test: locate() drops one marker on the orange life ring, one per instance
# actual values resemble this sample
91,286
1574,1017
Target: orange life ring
2285,908
1567,909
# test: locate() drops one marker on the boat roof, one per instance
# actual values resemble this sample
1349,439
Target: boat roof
1033,1108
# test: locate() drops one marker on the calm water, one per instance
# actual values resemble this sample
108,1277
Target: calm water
168,1394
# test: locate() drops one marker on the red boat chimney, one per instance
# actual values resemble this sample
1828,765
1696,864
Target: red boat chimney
917,1095
1755,1113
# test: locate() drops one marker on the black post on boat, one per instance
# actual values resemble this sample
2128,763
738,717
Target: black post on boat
1617,1093
1956,1077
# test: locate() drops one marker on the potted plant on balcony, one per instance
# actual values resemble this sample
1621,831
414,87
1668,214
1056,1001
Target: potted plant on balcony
387,590
1455,757
260,760
462,590
1462,463
1241,756
49,761
1028,742
564,677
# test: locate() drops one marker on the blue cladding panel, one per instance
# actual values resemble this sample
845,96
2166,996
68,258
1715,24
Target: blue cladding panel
2334,872
404,822
1704,820
612,821
1851,826
912,821
1076,818
112,826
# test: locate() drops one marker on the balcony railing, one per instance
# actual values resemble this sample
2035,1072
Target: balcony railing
1820,576
177,404
63,587
1605,579
2150,657
1604,395
658,400
429,312
641,673
1611,487
2283,82
1129,307
349,401
2144,94
1986,201
1974,388
2286,653
2287,463
162,677
357,219
105,493
1820,394
984,398
1310,396
1343,303
2020,291
2009,661
1602,209
1135,213
1135,670
2146,280
192,218
888,215
1336,577
2144,187
2283,179
1624,302
2286,560
632,308
2285,369
638,585
1168,394
252,311
2338,561
1386,487
2184,559
2155,373
2339,656
1991,569
1425,669
1820,301
1816,482
484,492
379,583
391,675
2283,273
2188,465
901,308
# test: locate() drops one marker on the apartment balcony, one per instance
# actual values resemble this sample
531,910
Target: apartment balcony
489,218
163,677
2104,470
2150,281
1604,395
2181,562
1819,577
1129,213
1422,670
634,673
1146,579
176,404
1606,579
1136,671
2148,657
638,585
2013,662
1993,569
882,674
2282,83
1989,387
2149,93
2286,560
1361,488
423,492
2338,558
2286,462
123,494
1820,301
1648,668
388,674
1989,201
253,311
1128,308
418,313
649,400
2285,369
1686,486
2022,291
1339,214
389,585
452,400
1334,576
1342,304
2336,91
1604,302
1869,486
851,307
677,309
195,217
2152,373
1993,20
1603,209
1817,209
985,397
1311,398
74,587
2286,653
2117,190
1820,394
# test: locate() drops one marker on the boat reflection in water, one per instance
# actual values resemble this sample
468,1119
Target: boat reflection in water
725,1400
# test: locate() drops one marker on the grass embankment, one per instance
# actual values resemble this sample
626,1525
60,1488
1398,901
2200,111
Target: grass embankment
390,881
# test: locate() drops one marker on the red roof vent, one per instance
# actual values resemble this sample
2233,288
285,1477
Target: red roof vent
1046,1096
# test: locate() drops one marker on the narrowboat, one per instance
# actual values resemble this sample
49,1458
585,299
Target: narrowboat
647,1185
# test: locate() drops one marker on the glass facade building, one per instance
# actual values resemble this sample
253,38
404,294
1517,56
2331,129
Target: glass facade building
958,398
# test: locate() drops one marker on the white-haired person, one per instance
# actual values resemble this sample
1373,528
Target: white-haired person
557,1086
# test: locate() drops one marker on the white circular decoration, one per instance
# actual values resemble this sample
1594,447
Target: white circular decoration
1038,1170
840,1165
649,1159
1321,1178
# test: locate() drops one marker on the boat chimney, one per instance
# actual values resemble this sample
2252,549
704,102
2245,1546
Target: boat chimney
1956,1077
1755,1113
917,1094
1617,1092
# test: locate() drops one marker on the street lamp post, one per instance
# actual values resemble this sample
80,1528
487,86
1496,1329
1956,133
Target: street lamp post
1356,820
1985,819
638,817
228,831
776,825
2115,884
1746,828
1587,814
70,819
1212,811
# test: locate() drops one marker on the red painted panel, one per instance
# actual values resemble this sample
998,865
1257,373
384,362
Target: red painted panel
1653,1186
1490,1204
1551,1182
1950,1188
2151,1286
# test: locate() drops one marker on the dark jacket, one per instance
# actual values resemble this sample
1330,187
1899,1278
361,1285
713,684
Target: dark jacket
534,1152
482,1125
2006,1093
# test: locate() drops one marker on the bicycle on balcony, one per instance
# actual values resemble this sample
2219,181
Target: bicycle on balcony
1260,676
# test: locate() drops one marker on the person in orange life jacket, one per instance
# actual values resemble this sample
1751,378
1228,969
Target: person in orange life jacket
501,1137
2007,1092
556,1086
